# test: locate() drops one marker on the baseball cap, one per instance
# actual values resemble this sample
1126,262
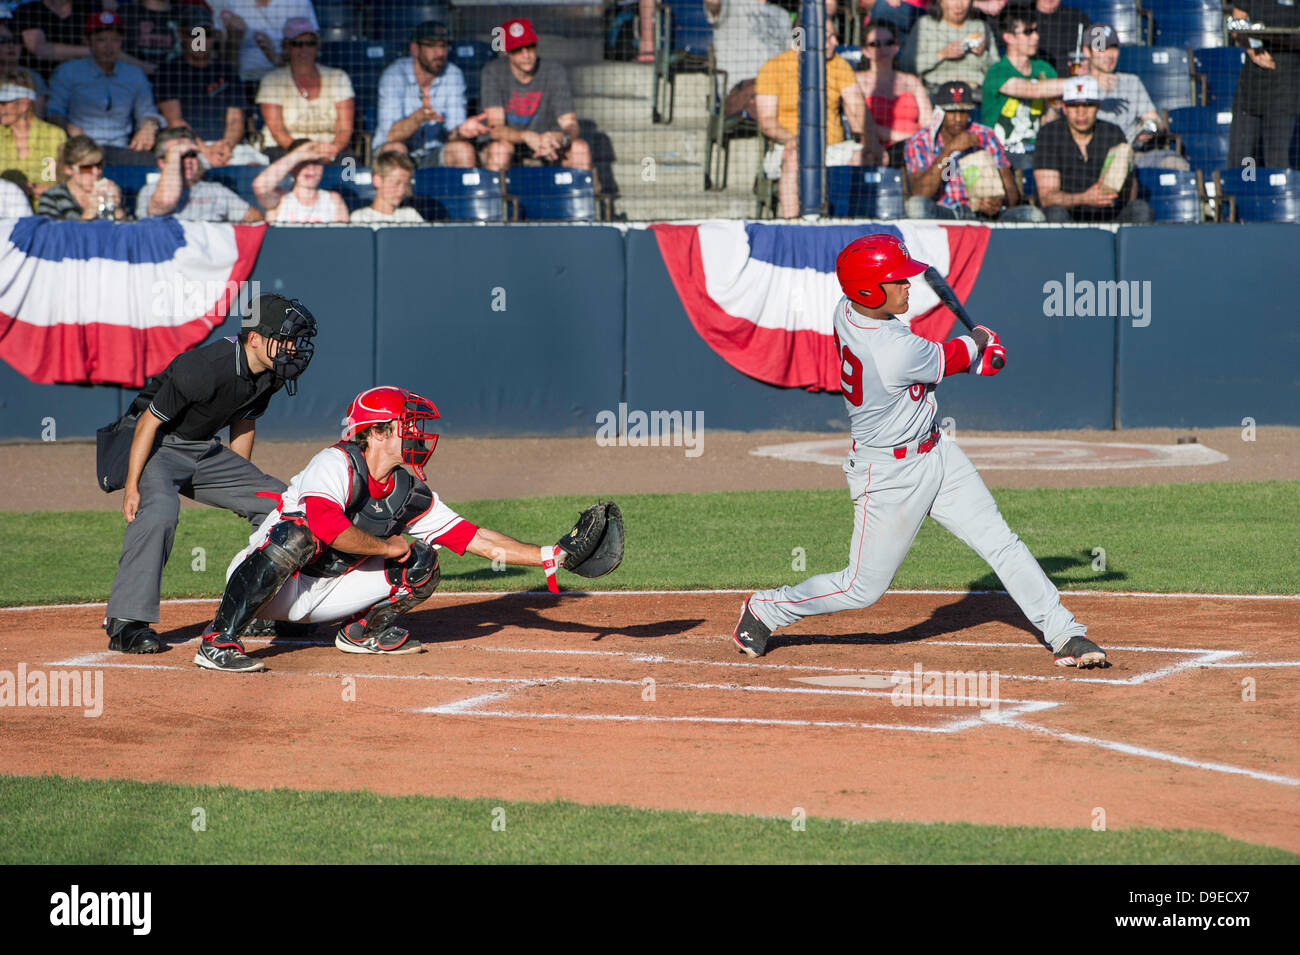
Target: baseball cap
297,26
191,17
1101,36
431,30
519,33
1082,89
954,95
103,20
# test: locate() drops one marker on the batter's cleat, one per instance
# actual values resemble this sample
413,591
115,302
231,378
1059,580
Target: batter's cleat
391,640
131,636
751,633
1082,653
228,655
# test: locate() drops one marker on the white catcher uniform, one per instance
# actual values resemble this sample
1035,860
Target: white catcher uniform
889,375
308,599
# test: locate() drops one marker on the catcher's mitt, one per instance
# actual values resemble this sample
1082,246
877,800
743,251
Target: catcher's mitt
595,545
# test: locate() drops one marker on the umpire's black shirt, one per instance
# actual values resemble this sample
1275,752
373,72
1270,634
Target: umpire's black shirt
207,389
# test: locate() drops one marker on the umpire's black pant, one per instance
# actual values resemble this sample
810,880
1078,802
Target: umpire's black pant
205,471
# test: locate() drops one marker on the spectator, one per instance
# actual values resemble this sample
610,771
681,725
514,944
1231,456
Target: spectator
52,32
306,201
529,107
1060,34
1124,100
10,47
100,96
746,34
391,173
28,146
182,192
305,100
777,101
1070,158
933,157
896,100
82,192
422,104
900,14
952,45
201,92
14,203
149,30
251,32
1017,88
1267,100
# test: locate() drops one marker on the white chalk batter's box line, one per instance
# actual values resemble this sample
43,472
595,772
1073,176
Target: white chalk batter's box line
445,595
1010,717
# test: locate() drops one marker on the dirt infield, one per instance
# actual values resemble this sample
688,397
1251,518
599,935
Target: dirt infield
61,476
642,700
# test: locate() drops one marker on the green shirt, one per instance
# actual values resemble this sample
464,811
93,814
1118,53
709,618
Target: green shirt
1016,121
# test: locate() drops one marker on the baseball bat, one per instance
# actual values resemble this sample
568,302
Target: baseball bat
949,298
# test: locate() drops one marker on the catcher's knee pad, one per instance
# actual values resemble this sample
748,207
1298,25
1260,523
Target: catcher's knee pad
419,573
261,574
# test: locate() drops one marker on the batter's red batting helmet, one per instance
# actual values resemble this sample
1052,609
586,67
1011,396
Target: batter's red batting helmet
386,403
870,260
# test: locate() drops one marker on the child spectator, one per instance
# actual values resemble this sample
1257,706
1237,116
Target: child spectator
391,174
28,145
304,100
82,192
306,201
953,45
182,192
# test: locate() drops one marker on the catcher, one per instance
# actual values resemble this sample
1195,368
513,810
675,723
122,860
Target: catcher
333,549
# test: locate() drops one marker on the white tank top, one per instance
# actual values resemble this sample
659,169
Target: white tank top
291,210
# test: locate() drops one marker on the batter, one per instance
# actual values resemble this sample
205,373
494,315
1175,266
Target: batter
899,468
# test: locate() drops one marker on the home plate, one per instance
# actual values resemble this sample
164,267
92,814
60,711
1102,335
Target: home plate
1034,454
858,681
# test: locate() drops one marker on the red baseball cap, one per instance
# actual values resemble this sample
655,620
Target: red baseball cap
103,20
519,33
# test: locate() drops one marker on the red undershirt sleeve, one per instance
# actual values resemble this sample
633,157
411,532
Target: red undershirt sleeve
457,538
325,519
958,355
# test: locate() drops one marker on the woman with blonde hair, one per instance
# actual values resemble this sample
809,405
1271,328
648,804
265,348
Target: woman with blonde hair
82,192
27,144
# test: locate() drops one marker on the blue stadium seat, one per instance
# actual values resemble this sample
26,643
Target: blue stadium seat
1174,194
683,36
351,182
552,192
864,192
336,20
130,179
1220,66
1121,14
1204,134
459,195
1186,23
471,56
238,178
1165,71
1273,195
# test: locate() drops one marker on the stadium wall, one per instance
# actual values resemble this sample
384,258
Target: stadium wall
533,330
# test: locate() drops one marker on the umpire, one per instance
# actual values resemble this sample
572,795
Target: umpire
175,450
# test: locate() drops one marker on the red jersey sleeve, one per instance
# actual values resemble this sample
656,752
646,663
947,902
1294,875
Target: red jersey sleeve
325,519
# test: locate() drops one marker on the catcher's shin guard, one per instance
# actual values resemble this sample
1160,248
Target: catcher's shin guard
260,576
419,574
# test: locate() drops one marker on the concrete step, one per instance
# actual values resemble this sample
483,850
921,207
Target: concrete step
628,104
609,78
702,206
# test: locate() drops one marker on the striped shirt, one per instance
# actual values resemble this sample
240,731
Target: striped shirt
921,154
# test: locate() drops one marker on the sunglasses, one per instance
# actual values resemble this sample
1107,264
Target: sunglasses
88,166
1026,31
192,154
883,43
303,43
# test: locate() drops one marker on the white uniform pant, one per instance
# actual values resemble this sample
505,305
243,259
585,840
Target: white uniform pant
890,500
305,599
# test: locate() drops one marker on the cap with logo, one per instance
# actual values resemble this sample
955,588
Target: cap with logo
954,96
1082,90
518,33
102,20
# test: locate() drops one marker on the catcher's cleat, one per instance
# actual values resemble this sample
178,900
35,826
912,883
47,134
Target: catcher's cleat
1082,653
228,655
131,636
353,638
751,633
258,628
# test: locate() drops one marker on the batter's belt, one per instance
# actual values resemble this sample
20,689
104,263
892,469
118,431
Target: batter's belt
924,445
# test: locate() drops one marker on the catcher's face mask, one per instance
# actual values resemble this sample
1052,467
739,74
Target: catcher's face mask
291,347
418,438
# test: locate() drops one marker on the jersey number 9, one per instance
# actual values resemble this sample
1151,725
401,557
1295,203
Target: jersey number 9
851,377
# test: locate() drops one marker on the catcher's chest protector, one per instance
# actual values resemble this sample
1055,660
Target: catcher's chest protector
380,517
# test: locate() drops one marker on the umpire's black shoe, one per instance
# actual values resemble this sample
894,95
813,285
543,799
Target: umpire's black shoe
219,653
131,636
751,633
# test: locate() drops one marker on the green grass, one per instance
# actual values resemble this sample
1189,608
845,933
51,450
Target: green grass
1214,538
51,819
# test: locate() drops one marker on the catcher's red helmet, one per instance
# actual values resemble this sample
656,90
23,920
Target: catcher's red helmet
870,260
386,403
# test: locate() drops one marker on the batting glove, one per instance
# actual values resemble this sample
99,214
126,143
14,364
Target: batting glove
993,336
984,364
